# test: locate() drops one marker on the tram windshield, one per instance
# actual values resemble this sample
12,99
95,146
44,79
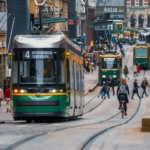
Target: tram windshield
141,52
39,67
118,26
109,63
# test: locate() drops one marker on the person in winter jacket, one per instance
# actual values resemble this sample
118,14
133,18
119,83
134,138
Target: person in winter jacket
126,72
135,70
143,86
135,90
123,90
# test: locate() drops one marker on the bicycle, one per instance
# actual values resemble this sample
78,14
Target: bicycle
122,102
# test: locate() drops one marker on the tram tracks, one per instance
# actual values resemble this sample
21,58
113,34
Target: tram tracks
90,140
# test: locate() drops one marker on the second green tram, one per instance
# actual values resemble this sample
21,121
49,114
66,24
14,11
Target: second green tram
110,65
141,55
47,78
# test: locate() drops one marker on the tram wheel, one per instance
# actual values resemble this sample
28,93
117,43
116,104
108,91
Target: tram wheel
28,121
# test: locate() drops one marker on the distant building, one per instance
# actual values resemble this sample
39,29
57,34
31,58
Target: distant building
3,38
138,13
54,15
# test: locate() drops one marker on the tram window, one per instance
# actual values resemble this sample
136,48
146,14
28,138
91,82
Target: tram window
109,63
15,71
71,74
62,72
141,52
118,26
38,71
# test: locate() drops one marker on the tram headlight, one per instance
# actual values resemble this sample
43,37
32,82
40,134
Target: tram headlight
56,90
15,91
114,76
23,91
103,76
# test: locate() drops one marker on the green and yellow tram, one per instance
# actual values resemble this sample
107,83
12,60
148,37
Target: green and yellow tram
110,64
141,55
47,78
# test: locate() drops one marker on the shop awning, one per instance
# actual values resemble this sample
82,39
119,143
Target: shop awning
51,20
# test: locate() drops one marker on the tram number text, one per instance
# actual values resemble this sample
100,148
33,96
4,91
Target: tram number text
27,55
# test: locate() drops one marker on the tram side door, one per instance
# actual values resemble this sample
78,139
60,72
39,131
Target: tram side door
2,78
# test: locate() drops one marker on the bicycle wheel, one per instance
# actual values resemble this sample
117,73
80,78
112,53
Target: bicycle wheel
122,111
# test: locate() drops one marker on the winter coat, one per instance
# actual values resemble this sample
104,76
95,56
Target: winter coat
144,85
138,68
135,90
126,71
7,93
126,96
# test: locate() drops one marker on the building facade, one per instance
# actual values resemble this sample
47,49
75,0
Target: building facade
53,9
3,38
138,13
116,8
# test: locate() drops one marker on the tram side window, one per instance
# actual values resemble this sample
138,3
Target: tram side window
141,52
15,72
118,26
61,72
71,77
109,63
77,76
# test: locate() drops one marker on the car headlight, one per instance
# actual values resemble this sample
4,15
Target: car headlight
114,76
103,76
22,91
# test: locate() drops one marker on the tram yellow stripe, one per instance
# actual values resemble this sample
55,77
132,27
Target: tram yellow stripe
39,94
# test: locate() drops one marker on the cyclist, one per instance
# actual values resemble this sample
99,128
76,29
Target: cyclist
123,90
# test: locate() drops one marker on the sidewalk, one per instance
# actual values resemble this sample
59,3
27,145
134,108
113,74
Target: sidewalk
3,115
90,81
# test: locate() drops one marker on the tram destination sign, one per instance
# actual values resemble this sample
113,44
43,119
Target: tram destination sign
37,55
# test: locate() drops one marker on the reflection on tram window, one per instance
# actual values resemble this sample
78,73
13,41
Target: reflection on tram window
38,71
109,63
118,26
141,52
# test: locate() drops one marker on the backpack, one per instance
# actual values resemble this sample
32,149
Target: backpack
122,89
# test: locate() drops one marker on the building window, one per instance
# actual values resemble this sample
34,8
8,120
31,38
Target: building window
140,2
2,7
141,21
148,2
132,2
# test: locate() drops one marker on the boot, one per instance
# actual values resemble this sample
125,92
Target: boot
7,110
125,113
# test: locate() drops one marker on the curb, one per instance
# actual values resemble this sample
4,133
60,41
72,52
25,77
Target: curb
91,89
2,122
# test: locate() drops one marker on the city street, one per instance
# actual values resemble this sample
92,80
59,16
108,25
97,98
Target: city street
101,118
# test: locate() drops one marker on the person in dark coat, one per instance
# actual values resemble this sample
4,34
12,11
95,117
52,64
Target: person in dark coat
135,90
144,85
126,72
111,84
125,94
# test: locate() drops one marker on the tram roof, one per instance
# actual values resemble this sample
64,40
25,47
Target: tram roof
139,43
45,41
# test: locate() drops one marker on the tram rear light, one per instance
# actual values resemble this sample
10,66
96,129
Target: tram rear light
16,91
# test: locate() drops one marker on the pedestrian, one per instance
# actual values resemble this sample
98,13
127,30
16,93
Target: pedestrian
92,66
103,90
123,92
135,89
139,69
111,84
7,98
135,70
107,90
1,96
144,84
126,72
